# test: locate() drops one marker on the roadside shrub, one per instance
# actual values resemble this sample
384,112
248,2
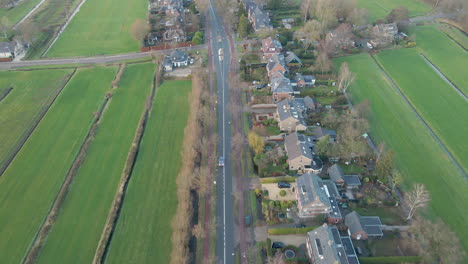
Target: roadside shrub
282,193
278,179
390,260
268,248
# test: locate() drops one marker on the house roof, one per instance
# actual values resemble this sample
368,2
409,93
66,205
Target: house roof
178,56
388,29
310,190
352,180
298,145
7,47
281,84
262,20
271,43
370,224
291,56
332,194
320,132
309,102
263,108
305,78
327,246
335,172
288,108
274,60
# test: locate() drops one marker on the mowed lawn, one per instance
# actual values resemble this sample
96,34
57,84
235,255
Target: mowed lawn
417,155
101,27
379,9
75,235
143,232
445,110
15,14
445,54
455,34
31,183
32,91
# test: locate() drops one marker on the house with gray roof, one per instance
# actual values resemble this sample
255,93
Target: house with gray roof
325,245
292,60
320,132
270,46
302,81
281,88
289,114
260,19
275,64
299,151
383,34
341,180
177,58
363,227
7,49
311,198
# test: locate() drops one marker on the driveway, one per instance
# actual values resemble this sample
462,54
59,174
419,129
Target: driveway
295,240
273,192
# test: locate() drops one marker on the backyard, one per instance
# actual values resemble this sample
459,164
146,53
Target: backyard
30,184
78,227
151,199
417,155
15,14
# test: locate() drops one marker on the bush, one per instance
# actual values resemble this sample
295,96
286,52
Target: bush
390,260
278,179
411,44
282,193
290,230
268,248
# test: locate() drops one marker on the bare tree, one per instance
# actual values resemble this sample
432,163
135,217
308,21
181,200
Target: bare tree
139,30
307,8
417,198
380,150
441,245
309,33
326,12
198,231
345,77
359,17
323,63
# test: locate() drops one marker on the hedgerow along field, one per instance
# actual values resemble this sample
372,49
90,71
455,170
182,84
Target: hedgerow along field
101,27
417,155
143,232
32,92
30,184
76,232
379,9
15,14
444,53
445,110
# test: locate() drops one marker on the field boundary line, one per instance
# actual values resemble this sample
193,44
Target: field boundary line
432,65
397,88
35,123
116,207
62,29
54,210
6,92
454,40
28,14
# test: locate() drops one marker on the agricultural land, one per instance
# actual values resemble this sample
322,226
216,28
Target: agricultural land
379,9
144,225
15,14
419,157
90,33
26,95
30,184
76,233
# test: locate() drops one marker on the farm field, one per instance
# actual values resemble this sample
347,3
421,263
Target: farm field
100,27
151,200
32,91
14,15
30,184
440,105
76,232
379,9
455,34
417,155
444,53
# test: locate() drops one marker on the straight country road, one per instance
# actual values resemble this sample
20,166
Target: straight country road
224,203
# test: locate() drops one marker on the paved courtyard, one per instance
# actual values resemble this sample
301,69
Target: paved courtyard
273,192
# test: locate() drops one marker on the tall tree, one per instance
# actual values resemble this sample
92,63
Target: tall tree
359,17
322,145
326,12
256,142
345,77
307,8
415,199
139,30
243,27
323,63
384,166
309,33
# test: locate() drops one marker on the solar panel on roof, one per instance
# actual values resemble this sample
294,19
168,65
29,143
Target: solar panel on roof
373,230
319,246
347,245
370,220
353,260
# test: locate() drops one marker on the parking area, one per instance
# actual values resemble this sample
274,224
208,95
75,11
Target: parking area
295,240
274,192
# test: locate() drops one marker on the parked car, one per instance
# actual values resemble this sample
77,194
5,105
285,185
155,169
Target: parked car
300,225
247,220
260,86
282,185
277,245
221,161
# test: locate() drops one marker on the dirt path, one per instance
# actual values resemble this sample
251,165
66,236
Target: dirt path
29,14
395,86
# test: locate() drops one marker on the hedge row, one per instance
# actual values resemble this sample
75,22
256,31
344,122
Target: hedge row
278,179
390,260
290,230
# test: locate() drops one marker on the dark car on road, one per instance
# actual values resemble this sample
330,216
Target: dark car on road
284,185
277,245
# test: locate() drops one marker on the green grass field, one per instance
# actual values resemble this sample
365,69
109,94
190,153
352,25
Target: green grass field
455,34
417,155
440,105
379,9
14,15
32,91
101,27
30,185
143,232
444,53
75,235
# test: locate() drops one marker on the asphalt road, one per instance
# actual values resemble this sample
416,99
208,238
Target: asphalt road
224,203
